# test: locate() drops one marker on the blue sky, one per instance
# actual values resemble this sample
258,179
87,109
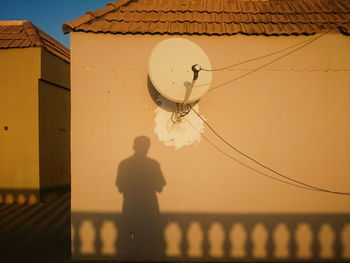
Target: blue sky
49,15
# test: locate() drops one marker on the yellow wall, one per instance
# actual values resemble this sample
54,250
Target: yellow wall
55,69
54,112
19,145
35,106
54,135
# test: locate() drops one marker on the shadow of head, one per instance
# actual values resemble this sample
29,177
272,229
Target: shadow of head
141,145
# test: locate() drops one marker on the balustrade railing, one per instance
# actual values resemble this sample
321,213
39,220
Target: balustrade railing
219,237
19,196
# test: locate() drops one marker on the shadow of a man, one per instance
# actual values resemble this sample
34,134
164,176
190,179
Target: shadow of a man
139,179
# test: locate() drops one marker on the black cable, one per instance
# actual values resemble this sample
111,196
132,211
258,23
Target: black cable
264,166
274,60
257,58
249,167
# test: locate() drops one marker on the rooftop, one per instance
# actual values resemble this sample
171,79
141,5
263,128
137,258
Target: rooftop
23,34
216,17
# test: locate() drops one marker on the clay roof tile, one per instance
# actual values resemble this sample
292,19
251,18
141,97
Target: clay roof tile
197,5
23,34
215,17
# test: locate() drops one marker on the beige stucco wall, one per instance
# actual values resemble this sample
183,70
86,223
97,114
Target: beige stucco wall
19,145
292,116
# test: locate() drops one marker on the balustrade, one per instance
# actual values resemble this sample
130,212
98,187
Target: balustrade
222,237
20,196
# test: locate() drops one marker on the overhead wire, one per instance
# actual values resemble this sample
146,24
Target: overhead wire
299,46
257,58
291,181
246,165
309,186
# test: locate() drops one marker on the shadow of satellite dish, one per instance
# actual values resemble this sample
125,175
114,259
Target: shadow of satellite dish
157,98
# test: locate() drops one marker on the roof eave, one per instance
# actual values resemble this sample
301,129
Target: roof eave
70,26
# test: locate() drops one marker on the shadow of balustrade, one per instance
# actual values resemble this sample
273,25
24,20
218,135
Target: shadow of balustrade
31,195
223,237
19,196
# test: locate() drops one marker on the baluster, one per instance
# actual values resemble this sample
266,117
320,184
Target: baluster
87,235
326,237
304,238
33,198
108,235
259,238
195,240
173,236
282,237
20,199
238,237
216,236
9,199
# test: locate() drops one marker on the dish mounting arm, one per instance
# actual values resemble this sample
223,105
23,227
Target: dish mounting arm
195,68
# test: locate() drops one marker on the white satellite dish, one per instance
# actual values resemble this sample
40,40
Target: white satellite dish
170,70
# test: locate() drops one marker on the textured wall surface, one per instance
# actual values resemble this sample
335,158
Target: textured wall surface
292,115
19,150
35,123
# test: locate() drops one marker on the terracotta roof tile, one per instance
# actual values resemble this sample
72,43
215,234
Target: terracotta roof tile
139,27
164,5
200,28
115,16
261,18
168,16
159,27
120,27
180,5
216,17
197,5
232,28
345,29
23,34
232,6
135,16
297,18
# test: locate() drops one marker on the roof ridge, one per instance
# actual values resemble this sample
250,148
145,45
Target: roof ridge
54,45
270,17
12,22
91,15
28,35
33,34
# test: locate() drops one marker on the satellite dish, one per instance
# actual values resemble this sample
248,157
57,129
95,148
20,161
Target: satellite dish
170,70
